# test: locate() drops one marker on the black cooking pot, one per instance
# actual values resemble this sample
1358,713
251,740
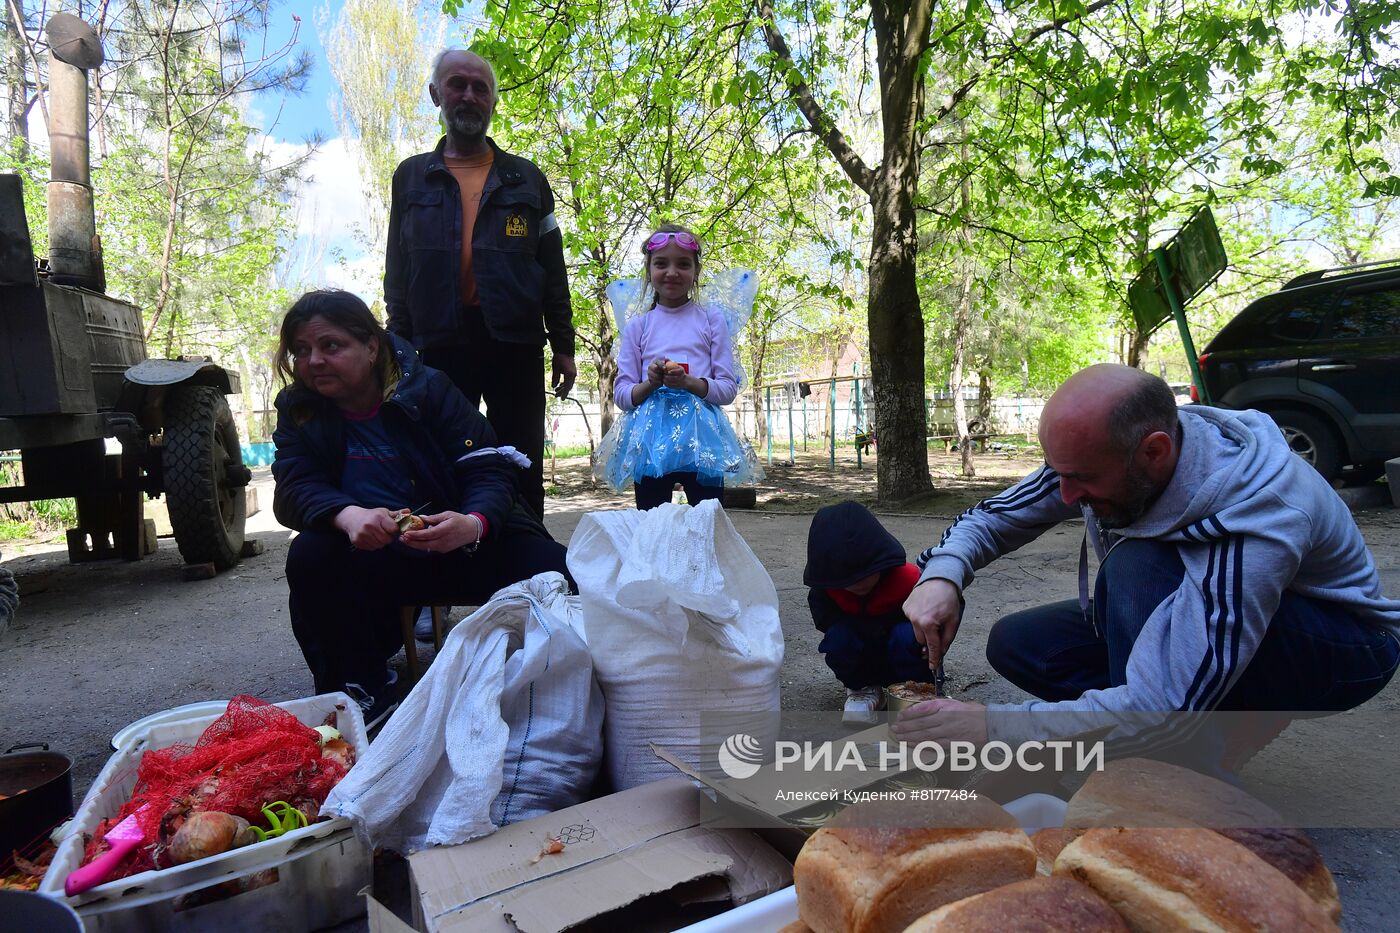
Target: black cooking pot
38,791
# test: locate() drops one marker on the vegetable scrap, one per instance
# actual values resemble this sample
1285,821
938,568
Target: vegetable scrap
29,872
282,818
552,847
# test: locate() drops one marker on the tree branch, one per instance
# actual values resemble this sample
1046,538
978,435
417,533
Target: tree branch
822,124
1036,33
33,57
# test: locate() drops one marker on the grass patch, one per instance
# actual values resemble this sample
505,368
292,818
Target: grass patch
578,450
14,531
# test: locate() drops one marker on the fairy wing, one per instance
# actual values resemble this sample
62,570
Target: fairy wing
626,297
732,293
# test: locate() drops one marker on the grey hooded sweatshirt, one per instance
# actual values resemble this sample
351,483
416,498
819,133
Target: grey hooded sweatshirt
1249,519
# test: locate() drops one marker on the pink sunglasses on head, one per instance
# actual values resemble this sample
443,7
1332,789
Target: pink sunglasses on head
682,239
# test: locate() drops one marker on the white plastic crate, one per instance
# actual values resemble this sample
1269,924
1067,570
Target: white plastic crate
320,868
771,913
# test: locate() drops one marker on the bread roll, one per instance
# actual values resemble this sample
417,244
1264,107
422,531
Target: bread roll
870,871
1143,792
1040,905
1188,879
1048,842
1293,853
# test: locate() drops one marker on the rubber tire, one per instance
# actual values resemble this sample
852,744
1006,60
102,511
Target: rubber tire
1312,439
207,513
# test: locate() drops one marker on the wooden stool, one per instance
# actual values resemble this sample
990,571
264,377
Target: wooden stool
408,618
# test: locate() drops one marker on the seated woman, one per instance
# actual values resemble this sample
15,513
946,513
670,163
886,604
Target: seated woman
365,430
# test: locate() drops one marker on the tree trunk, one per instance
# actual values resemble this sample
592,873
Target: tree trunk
960,330
1142,236
895,316
896,321
955,377
16,86
760,410
603,357
1137,342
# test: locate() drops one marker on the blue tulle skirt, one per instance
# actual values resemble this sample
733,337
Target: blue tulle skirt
675,431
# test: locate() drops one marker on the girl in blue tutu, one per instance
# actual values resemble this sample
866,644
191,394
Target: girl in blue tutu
675,368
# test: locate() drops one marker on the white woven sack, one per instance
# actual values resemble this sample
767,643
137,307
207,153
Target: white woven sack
682,622
505,725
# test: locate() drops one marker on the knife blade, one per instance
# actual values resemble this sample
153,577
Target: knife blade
402,520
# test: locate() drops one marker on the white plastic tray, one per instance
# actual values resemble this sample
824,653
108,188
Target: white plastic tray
771,913
176,714
113,788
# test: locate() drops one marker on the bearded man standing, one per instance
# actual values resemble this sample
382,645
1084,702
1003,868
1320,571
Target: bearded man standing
474,273
1232,576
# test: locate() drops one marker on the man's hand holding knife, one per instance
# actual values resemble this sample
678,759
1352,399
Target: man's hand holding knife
934,608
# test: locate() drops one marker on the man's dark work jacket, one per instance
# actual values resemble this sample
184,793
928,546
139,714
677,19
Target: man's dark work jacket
517,255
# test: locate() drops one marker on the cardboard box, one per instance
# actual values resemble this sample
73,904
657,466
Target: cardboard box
642,849
767,797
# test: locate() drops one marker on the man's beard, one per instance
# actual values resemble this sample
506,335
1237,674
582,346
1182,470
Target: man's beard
468,123
1140,493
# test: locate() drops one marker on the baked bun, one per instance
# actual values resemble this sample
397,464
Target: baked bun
1048,842
1040,905
407,521
871,871
1143,792
1188,879
1293,853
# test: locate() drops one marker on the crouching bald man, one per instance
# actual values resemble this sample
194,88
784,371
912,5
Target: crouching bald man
1232,576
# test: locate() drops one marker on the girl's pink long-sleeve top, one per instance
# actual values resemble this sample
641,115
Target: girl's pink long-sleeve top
689,334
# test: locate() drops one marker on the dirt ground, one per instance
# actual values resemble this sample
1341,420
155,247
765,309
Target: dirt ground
97,646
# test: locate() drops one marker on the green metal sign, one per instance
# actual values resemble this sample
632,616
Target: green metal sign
1187,263
1195,257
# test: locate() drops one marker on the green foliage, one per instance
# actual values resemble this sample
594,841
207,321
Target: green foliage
197,217
630,110
1083,134
36,519
33,170
380,56
1114,127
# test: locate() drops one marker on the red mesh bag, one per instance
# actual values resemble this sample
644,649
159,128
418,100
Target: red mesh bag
251,756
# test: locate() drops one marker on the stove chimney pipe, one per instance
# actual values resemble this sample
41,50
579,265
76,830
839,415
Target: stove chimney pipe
75,251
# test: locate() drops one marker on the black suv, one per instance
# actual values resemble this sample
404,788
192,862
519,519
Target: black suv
1322,357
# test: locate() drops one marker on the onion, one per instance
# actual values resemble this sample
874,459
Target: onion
209,833
341,751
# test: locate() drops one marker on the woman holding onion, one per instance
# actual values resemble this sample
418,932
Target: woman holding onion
364,432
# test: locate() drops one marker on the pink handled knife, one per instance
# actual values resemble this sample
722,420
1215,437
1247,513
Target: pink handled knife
122,838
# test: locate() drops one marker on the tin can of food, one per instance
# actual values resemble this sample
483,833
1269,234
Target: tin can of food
904,695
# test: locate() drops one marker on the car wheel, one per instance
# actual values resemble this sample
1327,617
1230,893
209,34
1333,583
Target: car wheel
1311,438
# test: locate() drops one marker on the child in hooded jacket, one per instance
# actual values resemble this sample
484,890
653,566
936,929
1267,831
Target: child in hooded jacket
859,580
